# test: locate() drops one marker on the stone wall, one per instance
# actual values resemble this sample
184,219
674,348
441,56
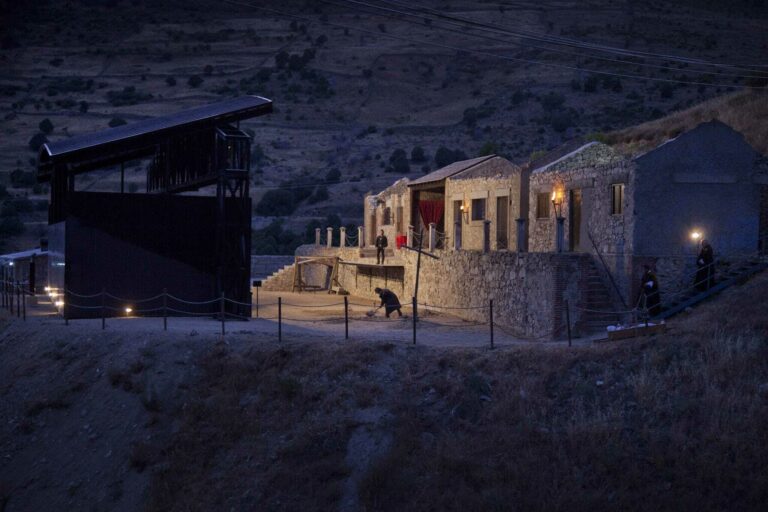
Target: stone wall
465,189
395,197
529,289
592,170
263,266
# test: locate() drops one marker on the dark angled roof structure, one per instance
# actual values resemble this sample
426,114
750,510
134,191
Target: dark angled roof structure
91,151
449,170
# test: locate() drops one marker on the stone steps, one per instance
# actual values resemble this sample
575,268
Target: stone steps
280,281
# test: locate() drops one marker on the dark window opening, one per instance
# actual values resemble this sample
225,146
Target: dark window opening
542,205
478,209
617,199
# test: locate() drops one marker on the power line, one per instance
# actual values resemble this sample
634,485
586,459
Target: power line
480,52
573,42
527,45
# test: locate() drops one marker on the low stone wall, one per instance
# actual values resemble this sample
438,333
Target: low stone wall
529,290
263,266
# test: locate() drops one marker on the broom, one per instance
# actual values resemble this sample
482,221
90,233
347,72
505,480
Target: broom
372,312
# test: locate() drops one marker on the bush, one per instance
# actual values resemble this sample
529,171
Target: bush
281,59
46,126
3,192
277,202
11,226
128,96
399,162
274,239
36,141
445,156
418,155
195,81
170,81
20,178
84,107
552,101
489,148
333,176
590,84
320,194
208,70
116,121
561,121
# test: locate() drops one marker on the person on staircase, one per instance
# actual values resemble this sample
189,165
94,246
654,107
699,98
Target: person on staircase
381,246
705,275
650,289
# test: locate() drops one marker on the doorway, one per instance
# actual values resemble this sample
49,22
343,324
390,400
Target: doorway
502,223
574,220
457,212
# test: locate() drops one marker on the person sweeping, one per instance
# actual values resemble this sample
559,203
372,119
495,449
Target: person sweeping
389,301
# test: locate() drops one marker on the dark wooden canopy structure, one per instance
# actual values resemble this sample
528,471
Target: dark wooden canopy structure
187,150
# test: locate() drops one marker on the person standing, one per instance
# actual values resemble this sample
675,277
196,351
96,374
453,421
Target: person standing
389,300
381,245
650,288
705,275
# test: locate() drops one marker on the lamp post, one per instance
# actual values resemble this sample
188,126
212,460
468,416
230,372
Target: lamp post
557,203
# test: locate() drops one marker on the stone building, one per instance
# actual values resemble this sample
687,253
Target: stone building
389,210
635,209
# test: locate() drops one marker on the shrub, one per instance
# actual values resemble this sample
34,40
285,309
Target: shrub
561,121
11,226
333,176
274,239
445,156
170,81
399,162
552,101
195,81
208,70
128,96
489,148
276,202
37,140
20,178
84,107
281,59
46,126
116,121
417,154
590,84
3,192
320,194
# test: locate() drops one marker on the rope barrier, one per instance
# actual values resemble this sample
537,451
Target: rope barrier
248,304
70,292
191,301
210,313
132,301
302,306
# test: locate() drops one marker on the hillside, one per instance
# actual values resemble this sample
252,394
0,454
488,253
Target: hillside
357,88
188,421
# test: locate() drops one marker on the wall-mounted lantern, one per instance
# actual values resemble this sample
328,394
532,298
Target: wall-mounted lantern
464,212
557,201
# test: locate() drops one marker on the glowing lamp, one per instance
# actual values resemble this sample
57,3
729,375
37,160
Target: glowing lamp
47,289
557,201
59,303
53,295
128,311
10,264
695,236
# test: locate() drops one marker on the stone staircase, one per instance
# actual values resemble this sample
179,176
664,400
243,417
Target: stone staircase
598,298
370,252
280,280
727,274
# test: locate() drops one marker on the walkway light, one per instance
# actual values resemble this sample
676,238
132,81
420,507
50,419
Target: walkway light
695,236
128,310
59,303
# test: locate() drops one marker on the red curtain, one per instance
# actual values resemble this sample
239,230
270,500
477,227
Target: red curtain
431,211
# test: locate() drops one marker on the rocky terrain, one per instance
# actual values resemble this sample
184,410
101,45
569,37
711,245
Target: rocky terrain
365,92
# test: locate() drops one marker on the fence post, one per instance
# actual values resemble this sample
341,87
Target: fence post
165,309
23,303
279,319
222,314
413,300
317,236
329,237
257,302
18,300
10,296
360,237
490,318
346,318
342,236
103,318
64,308
568,321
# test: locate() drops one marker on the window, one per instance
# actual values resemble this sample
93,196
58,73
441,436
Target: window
617,199
478,209
542,205
387,216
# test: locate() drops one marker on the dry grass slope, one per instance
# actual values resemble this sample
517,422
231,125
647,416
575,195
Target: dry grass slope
746,112
673,422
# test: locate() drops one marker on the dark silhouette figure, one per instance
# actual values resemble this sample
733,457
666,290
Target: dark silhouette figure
389,300
705,275
381,245
650,288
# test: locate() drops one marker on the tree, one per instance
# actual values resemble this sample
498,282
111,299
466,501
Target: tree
417,154
83,107
320,194
195,81
281,59
489,148
552,101
333,176
208,70
116,121
445,156
275,203
11,226
170,81
399,162
37,140
46,126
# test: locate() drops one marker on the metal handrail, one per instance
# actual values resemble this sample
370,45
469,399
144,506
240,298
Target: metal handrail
607,270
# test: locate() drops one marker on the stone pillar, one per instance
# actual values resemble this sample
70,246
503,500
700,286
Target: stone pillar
432,236
487,236
329,241
560,235
360,237
409,240
522,225
317,236
457,235
342,236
